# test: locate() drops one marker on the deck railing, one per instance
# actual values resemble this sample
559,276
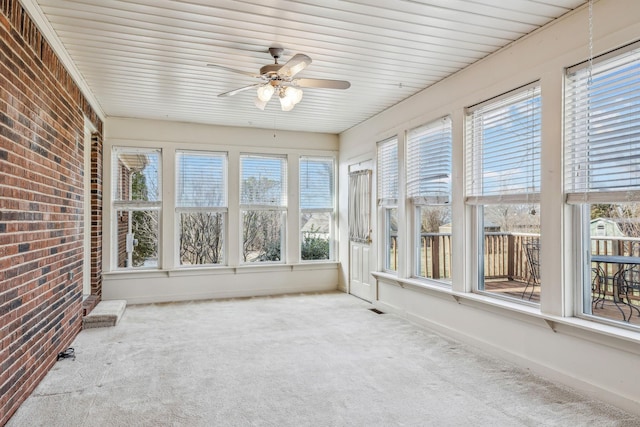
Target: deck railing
505,255
435,255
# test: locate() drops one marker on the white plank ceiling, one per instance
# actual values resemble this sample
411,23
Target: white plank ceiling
148,58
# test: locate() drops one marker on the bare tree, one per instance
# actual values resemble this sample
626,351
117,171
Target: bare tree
261,227
201,238
522,217
432,217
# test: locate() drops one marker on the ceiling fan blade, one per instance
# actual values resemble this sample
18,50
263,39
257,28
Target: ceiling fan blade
242,89
322,83
233,70
293,66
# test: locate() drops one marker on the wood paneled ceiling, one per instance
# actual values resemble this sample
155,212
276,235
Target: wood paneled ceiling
148,58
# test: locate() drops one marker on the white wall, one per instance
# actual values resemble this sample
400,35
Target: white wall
172,283
548,340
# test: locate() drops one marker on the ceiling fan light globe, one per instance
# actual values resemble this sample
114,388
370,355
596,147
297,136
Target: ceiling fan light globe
287,107
265,92
290,94
297,94
260,103
286,100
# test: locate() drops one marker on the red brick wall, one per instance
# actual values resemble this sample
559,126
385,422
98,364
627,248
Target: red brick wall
41,206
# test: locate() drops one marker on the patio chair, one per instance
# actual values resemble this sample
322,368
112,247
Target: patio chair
598,286
627,283
532,251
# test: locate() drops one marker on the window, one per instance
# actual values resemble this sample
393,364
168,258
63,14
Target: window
429,190
503,186
316,208
388,200
602,180
137,207
263,204
201,206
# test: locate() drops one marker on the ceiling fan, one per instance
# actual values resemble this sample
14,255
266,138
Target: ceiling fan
279,79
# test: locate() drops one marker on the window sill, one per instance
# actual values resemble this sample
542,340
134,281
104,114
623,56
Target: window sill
620,338
216,270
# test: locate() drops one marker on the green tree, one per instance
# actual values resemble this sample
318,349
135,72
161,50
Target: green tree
314,246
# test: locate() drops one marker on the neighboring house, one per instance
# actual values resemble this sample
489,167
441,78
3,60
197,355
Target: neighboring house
608,227
316,226
614,236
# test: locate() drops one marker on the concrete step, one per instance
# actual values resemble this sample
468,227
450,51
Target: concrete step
106,313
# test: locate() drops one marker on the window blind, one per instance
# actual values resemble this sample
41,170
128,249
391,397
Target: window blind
316,183
201,179
388,172
503,148
602,125
263,180
429,163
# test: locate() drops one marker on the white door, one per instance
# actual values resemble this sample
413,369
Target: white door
359,275
360,253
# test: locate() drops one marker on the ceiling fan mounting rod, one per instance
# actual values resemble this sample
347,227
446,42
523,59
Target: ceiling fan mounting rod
276,52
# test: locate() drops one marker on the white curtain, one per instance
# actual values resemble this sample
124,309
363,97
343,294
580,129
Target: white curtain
360,206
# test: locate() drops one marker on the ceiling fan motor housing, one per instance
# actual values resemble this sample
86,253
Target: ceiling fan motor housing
270,69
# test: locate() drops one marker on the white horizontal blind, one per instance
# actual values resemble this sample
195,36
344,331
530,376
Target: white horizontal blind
388,172
263,181
429,163
316,183
503,148
201,179
136,175
602,125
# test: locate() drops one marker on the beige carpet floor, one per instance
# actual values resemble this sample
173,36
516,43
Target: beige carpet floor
301,360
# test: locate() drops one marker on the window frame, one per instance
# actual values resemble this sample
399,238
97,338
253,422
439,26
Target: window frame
331,210
281,207
387,195
423,192
479,196
130,206
222,209
583,102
